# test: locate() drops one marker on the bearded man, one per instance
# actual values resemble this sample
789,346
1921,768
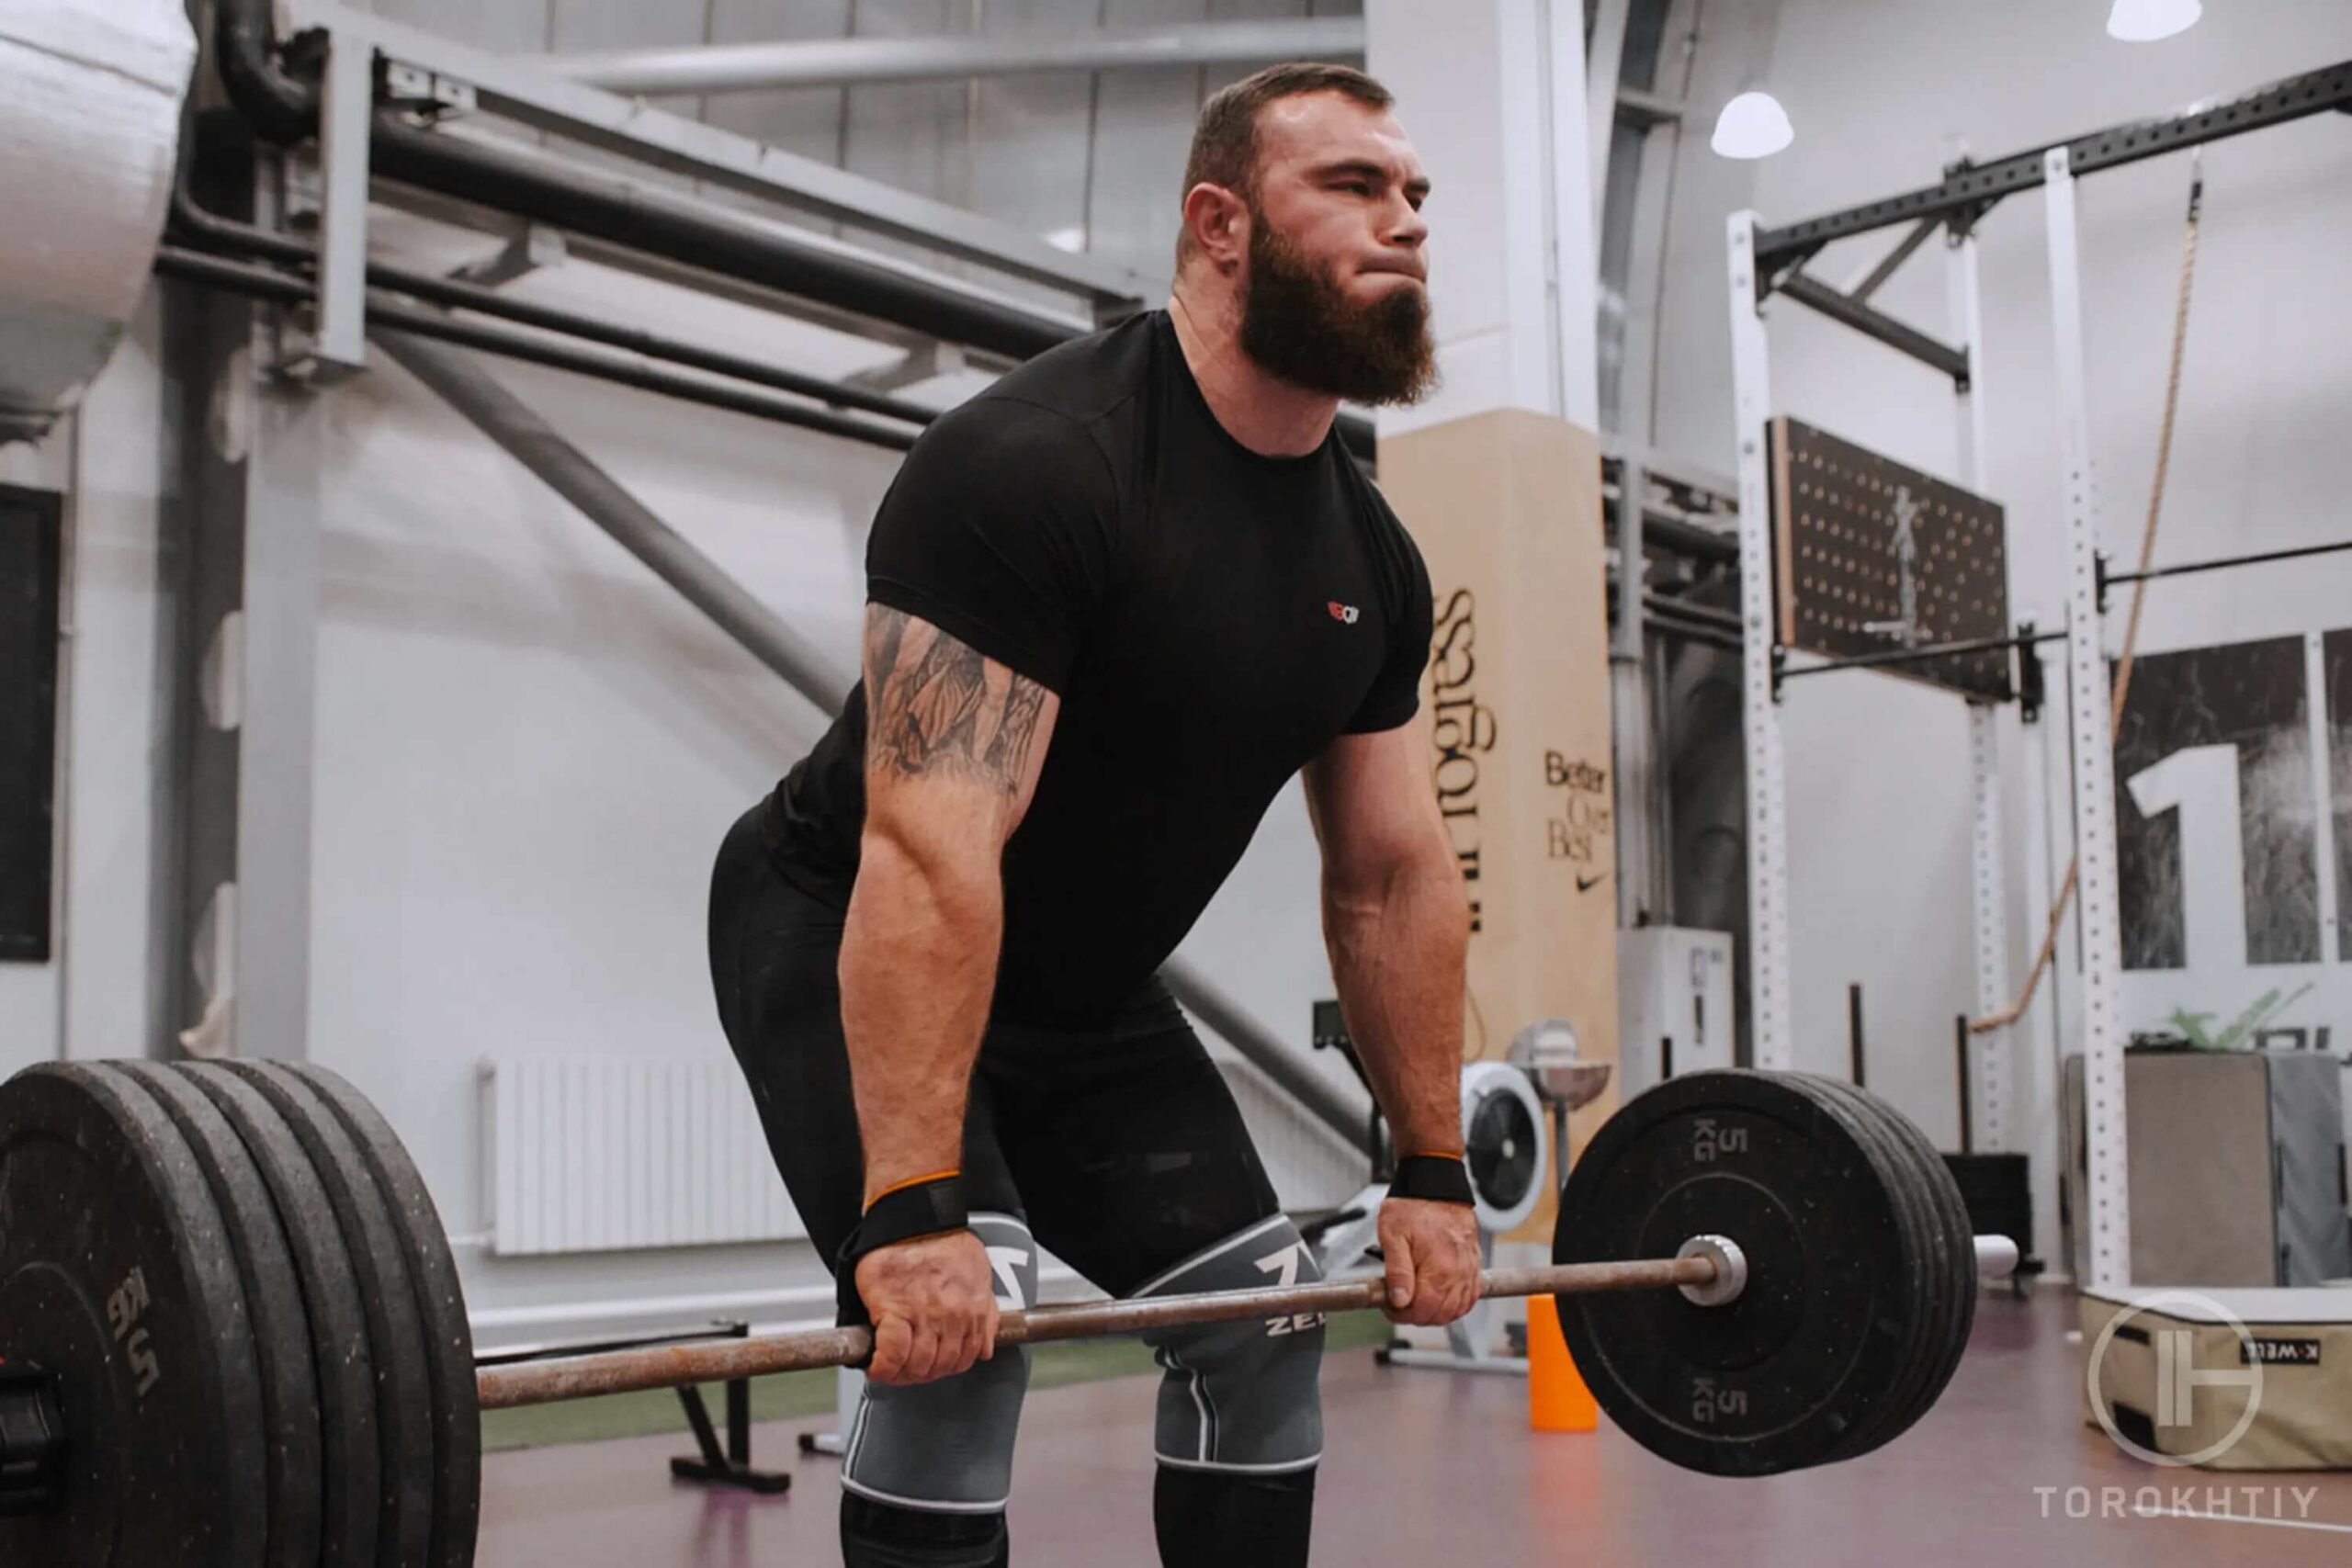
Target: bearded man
1115,603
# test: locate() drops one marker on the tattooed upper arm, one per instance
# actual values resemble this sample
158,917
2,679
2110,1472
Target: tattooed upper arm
939,709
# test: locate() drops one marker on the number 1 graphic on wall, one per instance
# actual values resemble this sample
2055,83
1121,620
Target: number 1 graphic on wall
2202,784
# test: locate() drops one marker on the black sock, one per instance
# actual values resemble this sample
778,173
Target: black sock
878,1535
1222,1519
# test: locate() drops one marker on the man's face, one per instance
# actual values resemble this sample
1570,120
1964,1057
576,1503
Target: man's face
1336,298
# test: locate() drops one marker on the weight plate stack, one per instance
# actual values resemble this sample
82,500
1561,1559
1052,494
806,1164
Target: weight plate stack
1779,1378
117,1278
449,1335
388,1299
1954,1239
342,1360
289,1389
1929,1307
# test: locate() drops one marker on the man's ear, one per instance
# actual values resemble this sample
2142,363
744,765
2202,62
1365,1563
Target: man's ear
1217,220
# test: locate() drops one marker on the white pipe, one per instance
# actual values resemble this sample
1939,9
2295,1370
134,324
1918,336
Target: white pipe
732,68
1997,1257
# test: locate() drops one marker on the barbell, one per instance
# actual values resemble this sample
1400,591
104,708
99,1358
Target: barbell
232,1334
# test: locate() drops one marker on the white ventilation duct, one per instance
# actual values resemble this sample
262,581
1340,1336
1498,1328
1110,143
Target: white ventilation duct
90,94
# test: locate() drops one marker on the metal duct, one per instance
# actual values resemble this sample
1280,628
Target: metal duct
632,215
741,67
90,98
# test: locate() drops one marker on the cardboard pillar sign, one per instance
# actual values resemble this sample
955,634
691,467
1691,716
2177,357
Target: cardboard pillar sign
1506,508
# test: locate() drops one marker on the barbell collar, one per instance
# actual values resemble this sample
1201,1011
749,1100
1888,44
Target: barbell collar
1730,1270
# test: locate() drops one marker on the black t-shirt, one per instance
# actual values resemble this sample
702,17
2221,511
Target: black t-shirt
1211,619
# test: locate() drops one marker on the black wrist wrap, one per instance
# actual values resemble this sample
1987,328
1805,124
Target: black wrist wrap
1433,1179
903,1214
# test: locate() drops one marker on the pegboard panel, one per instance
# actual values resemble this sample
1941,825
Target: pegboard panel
1873,555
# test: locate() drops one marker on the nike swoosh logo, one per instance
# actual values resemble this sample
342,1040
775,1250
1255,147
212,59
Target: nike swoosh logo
1587,883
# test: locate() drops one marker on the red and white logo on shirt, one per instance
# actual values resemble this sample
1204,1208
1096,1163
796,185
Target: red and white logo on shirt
1344,613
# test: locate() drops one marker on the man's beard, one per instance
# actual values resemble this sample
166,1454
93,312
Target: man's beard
1297,324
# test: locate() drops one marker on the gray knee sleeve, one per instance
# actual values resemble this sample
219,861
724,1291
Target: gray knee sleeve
1241,1396
946,1447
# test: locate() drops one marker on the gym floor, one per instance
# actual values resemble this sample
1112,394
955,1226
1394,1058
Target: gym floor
1426,1467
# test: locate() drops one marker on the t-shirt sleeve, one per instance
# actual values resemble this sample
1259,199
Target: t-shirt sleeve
1395,695
997,530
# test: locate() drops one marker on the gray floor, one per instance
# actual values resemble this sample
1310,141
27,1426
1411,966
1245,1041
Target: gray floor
1432,1468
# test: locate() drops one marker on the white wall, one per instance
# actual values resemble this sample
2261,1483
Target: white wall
101,994
1878,799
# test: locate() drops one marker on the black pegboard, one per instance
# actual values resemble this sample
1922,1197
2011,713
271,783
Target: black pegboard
30,546
1836,515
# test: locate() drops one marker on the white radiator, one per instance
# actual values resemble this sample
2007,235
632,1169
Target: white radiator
591,1154
598,1154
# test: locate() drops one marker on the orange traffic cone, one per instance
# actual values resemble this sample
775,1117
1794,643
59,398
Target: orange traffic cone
1557,1400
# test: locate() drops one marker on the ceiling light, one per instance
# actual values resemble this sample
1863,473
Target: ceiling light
2144,21
1752,124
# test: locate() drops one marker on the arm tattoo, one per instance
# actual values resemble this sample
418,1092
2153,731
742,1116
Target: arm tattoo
931,708
1008,752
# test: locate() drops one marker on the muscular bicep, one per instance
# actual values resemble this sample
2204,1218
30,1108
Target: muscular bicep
953,740
1373,806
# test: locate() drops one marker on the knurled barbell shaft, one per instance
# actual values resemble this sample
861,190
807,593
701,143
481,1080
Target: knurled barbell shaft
676,1366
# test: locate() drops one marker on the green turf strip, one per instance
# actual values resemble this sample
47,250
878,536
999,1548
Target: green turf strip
790,1396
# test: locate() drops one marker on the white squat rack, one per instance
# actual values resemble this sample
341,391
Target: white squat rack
1966,192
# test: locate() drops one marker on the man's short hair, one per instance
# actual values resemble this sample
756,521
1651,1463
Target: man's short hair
1224,141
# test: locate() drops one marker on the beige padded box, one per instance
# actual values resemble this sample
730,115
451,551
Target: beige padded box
2178,1375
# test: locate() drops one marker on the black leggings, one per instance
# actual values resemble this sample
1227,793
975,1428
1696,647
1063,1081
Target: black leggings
1121,1147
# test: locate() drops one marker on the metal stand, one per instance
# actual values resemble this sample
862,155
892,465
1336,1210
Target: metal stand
2088,696
1767,852
715,1465
849,1388
732,1467
1772,1046
1988,879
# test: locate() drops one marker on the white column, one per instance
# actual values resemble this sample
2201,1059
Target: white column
1988,847
1492,93
2087,695
1770,1034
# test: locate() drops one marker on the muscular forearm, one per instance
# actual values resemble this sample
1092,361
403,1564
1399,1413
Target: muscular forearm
918,964
1398,944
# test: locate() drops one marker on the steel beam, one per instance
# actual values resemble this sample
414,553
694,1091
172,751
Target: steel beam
746,67
1872,279
249,498
1969,188
1874,322
545,101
